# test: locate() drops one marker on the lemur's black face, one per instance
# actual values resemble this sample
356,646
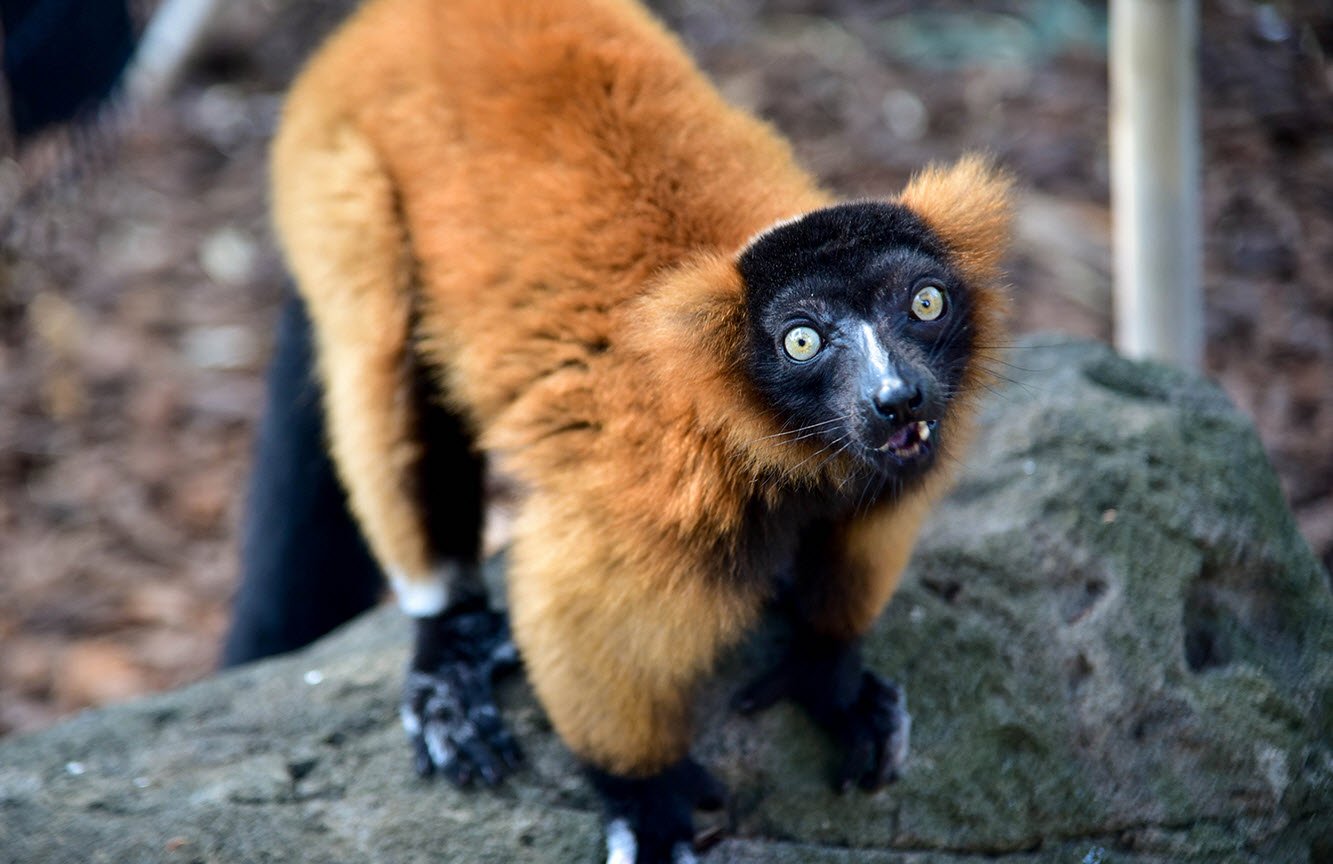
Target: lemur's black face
859,332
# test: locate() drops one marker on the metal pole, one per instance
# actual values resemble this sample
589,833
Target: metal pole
1155,180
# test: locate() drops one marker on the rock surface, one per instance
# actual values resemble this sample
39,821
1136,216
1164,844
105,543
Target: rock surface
1115,644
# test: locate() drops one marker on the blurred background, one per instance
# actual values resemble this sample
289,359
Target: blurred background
139,282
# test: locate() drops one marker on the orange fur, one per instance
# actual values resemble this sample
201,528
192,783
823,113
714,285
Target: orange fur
572,195
343,240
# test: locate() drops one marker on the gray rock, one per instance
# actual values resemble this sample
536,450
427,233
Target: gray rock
1116,647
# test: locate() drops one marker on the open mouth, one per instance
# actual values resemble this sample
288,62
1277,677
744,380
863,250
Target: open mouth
910,441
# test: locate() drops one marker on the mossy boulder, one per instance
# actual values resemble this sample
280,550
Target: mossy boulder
1115,644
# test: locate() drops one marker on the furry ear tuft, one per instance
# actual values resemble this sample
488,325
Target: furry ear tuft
968,205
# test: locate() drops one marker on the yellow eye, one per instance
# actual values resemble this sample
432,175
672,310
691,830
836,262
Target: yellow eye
928,304
802,343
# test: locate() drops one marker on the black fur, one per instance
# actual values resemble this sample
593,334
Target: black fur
835,244
835,270
448,703
865,715
452,478
62,57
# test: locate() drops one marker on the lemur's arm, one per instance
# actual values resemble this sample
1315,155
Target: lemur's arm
845,575
616,631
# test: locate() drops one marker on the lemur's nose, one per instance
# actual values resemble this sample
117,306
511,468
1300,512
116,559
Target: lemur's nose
898,403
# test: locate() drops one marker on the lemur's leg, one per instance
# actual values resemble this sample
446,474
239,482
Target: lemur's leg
336,211
845,574
615,632
448,707
305,568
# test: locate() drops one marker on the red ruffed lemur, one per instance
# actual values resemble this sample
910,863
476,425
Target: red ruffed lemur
531,229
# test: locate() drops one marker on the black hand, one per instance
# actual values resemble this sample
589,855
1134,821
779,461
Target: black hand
874,732
448,706
865,714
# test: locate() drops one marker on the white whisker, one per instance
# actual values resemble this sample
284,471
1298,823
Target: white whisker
801,430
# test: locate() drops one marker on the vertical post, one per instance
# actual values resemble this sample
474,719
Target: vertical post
172,34
1155,180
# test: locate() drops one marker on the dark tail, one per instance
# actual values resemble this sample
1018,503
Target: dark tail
62,58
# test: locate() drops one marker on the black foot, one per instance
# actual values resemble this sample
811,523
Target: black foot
448,705
863,713
650,820
875,733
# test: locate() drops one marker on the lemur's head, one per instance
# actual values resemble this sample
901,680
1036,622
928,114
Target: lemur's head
865,319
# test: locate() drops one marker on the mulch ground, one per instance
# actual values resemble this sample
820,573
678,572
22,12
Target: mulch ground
138,287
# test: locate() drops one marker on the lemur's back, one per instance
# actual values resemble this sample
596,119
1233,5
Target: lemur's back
547,159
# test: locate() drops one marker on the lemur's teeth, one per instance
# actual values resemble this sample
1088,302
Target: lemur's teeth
923,430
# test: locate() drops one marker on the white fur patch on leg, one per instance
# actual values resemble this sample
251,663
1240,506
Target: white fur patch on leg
622,847
426,596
